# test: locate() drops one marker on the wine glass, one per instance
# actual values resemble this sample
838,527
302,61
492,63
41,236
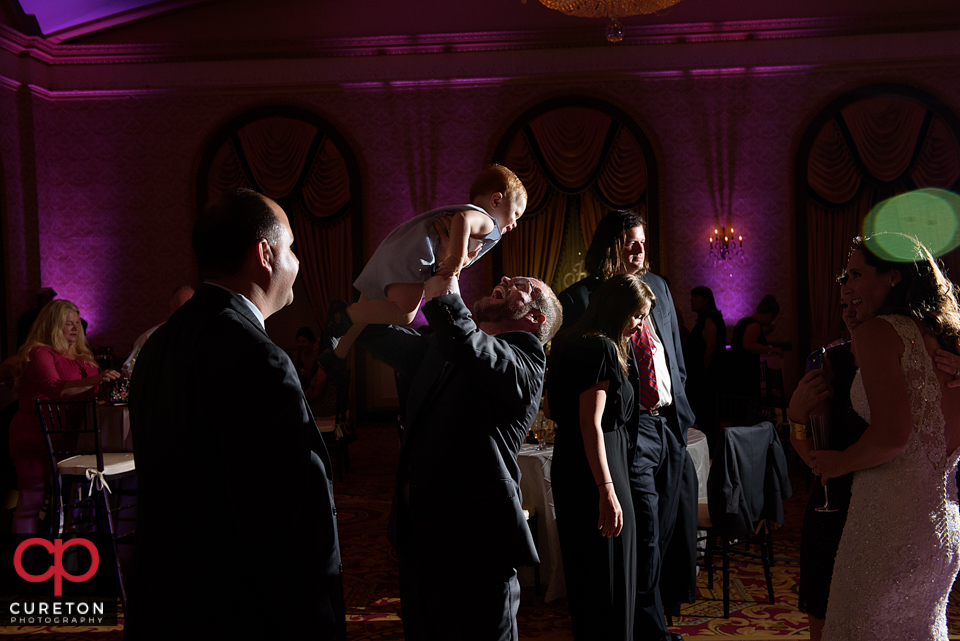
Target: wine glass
541,432
820,426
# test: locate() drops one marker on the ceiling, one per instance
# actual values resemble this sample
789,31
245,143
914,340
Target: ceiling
151,21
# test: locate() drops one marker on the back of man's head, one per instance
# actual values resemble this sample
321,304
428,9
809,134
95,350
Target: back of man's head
228,228
546,301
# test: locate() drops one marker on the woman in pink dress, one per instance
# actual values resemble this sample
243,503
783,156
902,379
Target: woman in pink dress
55,363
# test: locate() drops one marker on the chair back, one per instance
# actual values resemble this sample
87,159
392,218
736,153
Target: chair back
71,428
748,480
334,401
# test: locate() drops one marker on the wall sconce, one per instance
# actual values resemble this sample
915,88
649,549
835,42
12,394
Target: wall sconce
726,247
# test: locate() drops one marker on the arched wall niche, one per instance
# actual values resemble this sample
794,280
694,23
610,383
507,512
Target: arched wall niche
865,146
304,163
578,157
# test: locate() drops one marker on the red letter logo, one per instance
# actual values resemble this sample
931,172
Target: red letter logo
56,571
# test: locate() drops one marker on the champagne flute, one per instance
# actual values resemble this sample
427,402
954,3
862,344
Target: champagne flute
541,432
820,426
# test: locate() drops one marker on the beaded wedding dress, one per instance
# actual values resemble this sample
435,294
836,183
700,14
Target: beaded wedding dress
898,555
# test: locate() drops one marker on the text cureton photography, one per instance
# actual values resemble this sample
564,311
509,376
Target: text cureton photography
46,612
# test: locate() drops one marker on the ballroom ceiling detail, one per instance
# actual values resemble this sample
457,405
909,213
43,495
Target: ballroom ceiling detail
612,9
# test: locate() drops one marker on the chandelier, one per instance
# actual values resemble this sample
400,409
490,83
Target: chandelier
726,247
611,8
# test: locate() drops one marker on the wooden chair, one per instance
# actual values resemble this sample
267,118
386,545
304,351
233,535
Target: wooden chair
335,427
747,483
72,432
772,393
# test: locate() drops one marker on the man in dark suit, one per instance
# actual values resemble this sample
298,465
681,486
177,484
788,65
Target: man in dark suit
456,519
236,525
662,475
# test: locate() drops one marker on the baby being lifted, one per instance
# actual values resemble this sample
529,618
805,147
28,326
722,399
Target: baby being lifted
391,283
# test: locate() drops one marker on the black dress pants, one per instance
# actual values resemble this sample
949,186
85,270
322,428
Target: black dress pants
649,621
435,593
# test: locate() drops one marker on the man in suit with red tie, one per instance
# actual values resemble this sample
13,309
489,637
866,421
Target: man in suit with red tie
662,475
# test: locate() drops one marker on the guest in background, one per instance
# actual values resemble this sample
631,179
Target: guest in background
180,295
822,530
662,476
25,322
748,343
305,360
592,400
704,353
55,363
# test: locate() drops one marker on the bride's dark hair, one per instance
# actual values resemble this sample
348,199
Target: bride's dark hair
923,292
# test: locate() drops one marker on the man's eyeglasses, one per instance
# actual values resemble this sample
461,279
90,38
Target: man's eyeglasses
526,285
523,284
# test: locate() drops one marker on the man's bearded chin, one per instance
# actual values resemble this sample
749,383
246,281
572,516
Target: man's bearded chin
643,269
490,310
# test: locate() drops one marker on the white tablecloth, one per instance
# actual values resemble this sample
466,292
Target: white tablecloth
699,451
537,493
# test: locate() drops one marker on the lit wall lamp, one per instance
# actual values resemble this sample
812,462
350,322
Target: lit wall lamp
725,247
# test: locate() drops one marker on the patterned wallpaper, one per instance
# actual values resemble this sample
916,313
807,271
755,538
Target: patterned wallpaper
116,177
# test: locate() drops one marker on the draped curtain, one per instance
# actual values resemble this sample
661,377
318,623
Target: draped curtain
569,157
871,150
294,163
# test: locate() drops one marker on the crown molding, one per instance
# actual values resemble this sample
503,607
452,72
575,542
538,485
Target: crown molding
51,52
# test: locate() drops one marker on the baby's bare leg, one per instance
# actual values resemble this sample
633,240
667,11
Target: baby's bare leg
400,308
348,339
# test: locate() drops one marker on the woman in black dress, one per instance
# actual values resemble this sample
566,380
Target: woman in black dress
591,398
748,343
822,530
704,354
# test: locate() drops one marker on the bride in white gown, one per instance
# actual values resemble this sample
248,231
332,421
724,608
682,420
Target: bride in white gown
900,549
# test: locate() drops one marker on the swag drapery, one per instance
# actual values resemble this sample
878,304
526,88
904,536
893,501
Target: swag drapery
565,154
294,163
871,150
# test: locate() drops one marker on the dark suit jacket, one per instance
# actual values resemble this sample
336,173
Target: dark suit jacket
748,480
236,524
472,398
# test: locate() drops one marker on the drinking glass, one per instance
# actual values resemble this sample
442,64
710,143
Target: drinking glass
540,432
820,426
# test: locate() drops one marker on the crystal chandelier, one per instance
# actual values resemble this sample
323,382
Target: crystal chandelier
726,247
611,8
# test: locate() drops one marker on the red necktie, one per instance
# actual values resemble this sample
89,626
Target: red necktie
643,350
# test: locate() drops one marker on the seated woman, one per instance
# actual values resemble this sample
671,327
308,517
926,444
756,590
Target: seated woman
305,359
55,363
591,397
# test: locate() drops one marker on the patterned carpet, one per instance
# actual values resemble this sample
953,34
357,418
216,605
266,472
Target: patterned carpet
371,581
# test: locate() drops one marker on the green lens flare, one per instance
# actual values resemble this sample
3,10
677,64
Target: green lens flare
932,216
